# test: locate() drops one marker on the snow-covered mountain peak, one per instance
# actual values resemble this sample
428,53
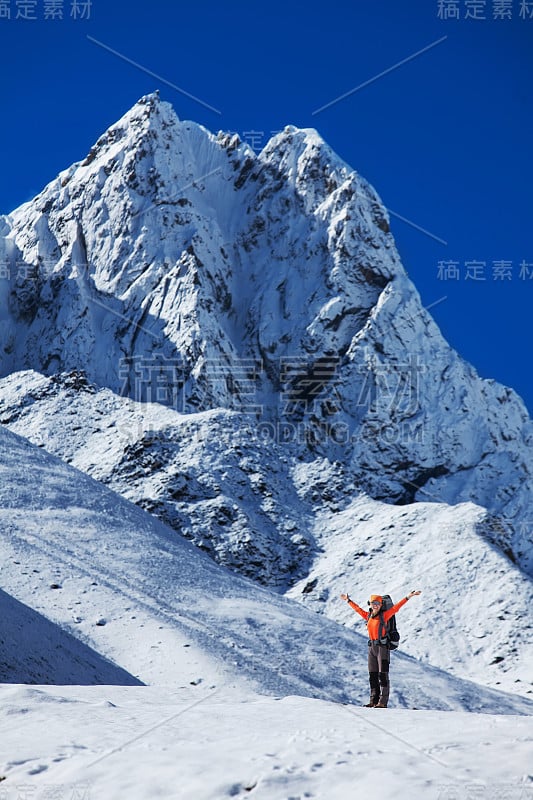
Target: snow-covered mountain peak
177,266
292,145
148,113
321,177
164,206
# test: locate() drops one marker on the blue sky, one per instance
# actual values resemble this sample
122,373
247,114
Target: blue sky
438,116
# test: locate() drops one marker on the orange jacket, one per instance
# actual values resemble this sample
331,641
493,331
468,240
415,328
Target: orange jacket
372,623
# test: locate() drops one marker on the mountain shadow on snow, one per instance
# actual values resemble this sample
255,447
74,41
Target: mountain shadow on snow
35,650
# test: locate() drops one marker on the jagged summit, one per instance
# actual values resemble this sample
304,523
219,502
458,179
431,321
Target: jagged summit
176,265
149,113
157,200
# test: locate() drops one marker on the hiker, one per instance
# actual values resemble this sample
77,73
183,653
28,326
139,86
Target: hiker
378,651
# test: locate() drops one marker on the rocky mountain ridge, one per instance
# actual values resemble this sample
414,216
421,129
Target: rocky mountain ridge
176,266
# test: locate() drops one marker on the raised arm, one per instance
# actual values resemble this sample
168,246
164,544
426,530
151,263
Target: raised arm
396,607
355,607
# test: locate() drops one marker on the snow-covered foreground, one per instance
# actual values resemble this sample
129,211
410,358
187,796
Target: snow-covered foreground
113,743
252,694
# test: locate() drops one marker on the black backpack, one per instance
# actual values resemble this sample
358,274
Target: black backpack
392,637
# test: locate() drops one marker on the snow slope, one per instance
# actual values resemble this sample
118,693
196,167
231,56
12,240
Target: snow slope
294,525
205,474
474,618
127,579
35,650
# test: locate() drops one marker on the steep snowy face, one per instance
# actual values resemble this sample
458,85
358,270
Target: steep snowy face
173,246
317,245
203,474
176,266
120,258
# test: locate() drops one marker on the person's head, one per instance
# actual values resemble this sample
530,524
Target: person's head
375,603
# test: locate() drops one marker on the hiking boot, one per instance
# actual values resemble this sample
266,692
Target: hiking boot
373,702
380,705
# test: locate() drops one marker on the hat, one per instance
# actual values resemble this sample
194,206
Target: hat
377,597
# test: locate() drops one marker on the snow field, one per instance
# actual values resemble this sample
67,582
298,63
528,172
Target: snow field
192,744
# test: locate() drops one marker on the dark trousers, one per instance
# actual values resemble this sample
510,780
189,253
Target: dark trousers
378,672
